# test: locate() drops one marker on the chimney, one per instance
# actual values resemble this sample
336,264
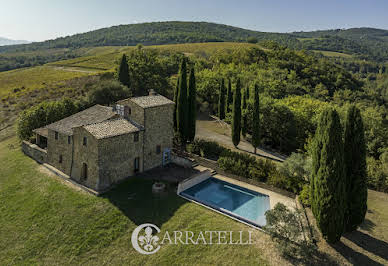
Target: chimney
152,92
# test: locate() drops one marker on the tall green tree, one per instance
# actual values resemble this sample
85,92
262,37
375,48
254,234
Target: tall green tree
221,101
182,110
123,72
328,181
192,106
244,126
236,122
256,120
355,169
248,93
244,99
229,97
176,92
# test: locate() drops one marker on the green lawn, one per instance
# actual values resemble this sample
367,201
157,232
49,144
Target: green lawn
44,221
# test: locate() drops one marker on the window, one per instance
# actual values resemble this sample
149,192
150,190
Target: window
68,139
60,158
136,137
136,164
85,141
56,135
158,148
84,171
127,111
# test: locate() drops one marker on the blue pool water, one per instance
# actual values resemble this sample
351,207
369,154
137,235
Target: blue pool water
244,204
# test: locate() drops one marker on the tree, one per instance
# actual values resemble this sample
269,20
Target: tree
182,112
355,169
247,93
244,126
221,101
123,72
328,191
192,106
229,97
176,92
236,122
244,99
107,92
256,120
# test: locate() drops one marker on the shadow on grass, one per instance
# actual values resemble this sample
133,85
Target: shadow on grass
134,197
352,256
369,243
367,225
309,255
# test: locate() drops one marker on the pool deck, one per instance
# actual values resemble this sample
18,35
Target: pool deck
274,197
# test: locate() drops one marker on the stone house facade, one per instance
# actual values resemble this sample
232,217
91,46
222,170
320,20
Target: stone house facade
102,145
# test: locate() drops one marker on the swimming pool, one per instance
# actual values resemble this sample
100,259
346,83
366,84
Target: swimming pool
238,202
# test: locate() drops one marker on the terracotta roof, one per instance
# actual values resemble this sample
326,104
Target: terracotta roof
111,128
94,114
151,101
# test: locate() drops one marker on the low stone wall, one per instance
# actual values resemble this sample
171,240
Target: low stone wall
36,153
181,161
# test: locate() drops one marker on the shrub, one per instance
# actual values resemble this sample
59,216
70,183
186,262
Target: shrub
304,195
204,148
108,91
286,228
297,169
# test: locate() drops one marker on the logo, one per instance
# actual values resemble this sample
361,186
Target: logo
143,241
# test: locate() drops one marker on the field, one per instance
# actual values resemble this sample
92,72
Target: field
104,58
333,54
44,221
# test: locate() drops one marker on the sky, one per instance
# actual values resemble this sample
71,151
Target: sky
38,20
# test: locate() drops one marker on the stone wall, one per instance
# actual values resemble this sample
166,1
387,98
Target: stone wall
159,130
137,112
36,153
59,147
117,158
85,154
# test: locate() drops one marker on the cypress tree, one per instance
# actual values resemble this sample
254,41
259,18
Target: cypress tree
244,99
182,104
229,97
244,126
256,120
221,101
328,201
192,106
176,91
123,72
236,123
355,169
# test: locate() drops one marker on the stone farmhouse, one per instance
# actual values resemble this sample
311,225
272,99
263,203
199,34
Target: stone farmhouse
103,145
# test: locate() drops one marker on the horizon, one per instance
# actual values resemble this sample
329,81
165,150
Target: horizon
31,41
44,20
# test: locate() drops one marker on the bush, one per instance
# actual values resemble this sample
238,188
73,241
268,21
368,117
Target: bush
304,195
108,91
204,148
286,228
378,172
297,169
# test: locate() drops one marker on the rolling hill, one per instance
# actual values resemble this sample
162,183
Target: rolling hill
5,41
361,43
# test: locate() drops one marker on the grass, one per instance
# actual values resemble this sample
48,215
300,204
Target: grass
43,221
26,79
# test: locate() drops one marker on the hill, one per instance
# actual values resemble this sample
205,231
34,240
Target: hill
362,43
5,41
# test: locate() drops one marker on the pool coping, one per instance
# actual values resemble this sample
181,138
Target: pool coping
274,197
